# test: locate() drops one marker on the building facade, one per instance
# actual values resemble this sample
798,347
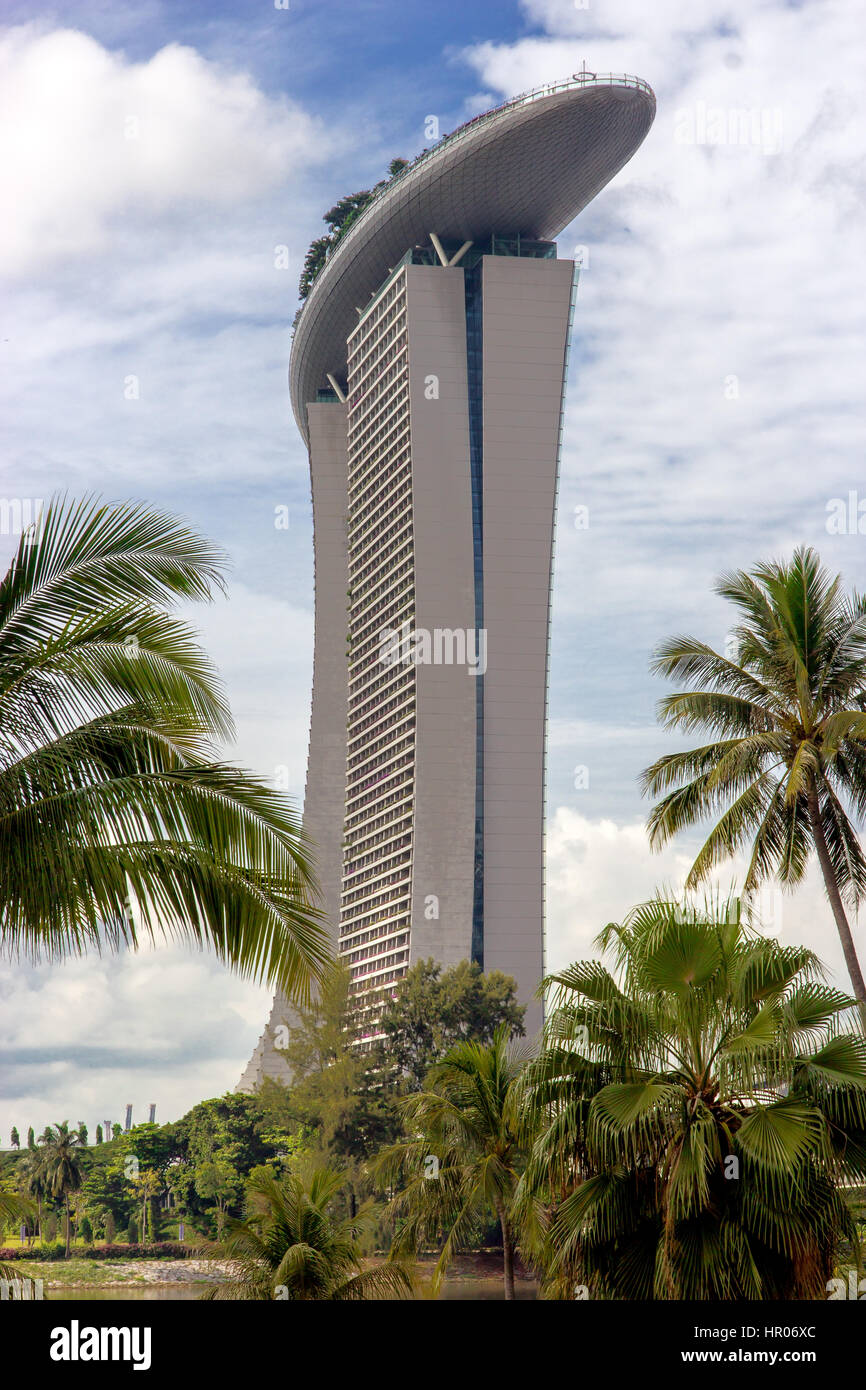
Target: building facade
433,415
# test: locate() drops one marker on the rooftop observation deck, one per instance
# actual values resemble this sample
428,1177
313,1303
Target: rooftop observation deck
528,166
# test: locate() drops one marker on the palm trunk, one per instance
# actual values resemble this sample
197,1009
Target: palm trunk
507,1252
68,1232
848,950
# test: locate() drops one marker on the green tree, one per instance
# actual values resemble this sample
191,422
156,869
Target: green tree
787,717
99,1134
82,1132
342,1098
339,219
115,818
64,1172
106,1189
116,1132
151,1145
434,1008
217,1181
290,1246
700,1110
315,258
31,1139
147,1185
462,1155
16,1138
85,1230
33,1177
228,1127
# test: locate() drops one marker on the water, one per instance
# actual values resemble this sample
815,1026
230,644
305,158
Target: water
132,1293
483,1289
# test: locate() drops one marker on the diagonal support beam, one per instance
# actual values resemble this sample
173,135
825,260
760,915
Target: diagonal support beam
438,248
458,255
335,386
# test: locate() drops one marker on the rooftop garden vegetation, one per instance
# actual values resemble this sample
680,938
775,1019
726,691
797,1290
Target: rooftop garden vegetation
339,219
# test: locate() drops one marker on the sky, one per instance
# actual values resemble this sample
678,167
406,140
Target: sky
162,162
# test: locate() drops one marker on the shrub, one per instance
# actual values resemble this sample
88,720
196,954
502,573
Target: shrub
161,1250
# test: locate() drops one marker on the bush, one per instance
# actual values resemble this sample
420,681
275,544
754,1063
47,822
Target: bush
85,1230
36,1252
132,1231
162,1250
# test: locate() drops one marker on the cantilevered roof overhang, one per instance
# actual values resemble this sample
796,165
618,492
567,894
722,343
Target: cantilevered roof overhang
528,166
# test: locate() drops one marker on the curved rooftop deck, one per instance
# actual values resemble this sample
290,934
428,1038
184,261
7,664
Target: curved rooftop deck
527,166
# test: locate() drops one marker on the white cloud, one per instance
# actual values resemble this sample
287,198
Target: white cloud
263,648
92,140
163,1026
598,869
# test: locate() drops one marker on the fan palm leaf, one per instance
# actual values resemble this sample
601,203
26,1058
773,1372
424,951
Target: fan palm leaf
702,1154
291,1247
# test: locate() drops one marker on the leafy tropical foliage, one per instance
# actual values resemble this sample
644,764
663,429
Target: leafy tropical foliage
461,1157
699,1111
290,1246
787,718
116,819
62,1167
339,219
435,1008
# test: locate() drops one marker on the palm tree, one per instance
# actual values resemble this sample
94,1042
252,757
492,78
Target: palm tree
34,1181
110,796
290,1246
700,1110
147,1185
787,719
64,1172
463,1156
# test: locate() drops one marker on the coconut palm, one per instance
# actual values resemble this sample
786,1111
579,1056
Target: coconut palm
64,1172
463,1154
787,717
701,1109
290,1246
34,1181
147,1186
116,819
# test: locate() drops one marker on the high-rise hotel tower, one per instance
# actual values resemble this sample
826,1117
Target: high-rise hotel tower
427,377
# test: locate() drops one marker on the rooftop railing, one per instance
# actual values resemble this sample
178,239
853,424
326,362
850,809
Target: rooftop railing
577,80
